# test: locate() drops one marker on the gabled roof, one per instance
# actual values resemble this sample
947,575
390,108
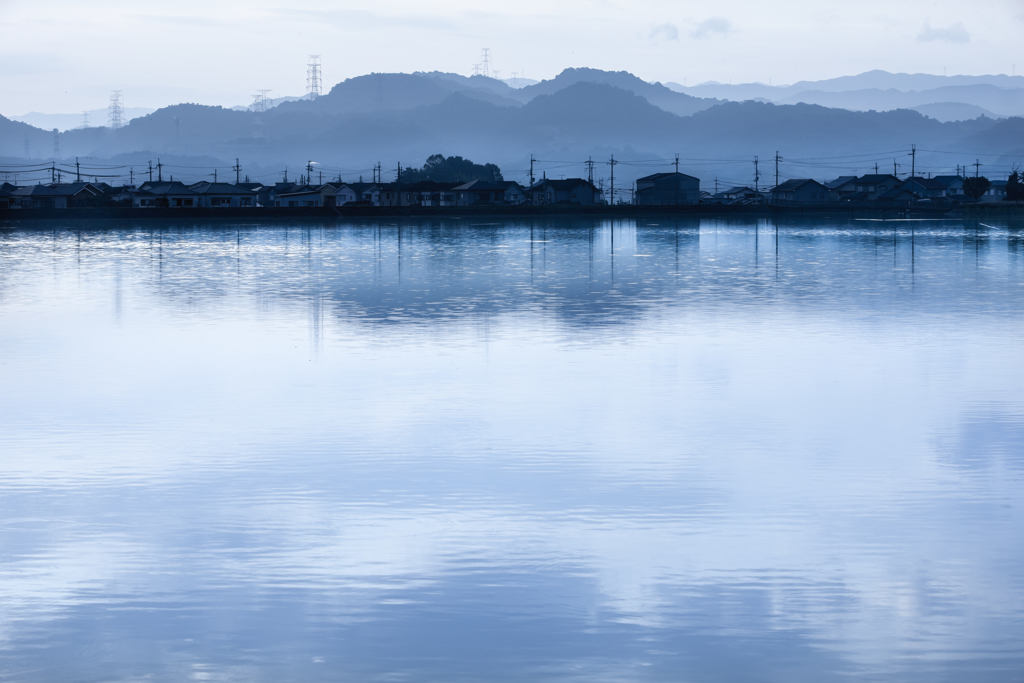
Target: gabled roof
925,183
358,188
165,188
206,187
897,191
489,186
737,190
561,185
795,184
881,177
57,190
948,180
659,176
840,181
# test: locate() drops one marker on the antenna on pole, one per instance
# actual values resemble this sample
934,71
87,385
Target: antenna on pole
115,112
313,80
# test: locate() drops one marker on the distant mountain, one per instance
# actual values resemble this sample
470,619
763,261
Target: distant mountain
953,111
655,93
1000,101
62,122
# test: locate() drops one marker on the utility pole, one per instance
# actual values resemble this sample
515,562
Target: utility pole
53,172
131,175
612,164
150,171
676,162
309,172
894,171
238,170
214,175
777,160
399,184
977,166
78,171
590,170
913,161
876,168
159,170
757,176
531,170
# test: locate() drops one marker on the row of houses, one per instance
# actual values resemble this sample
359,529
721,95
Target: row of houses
175,194
878,188
660,189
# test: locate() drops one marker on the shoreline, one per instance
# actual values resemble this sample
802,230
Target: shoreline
626,211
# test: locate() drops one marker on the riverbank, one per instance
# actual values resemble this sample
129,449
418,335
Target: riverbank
276,214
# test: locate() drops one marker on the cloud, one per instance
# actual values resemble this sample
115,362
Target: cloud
713,26
954,33
665,32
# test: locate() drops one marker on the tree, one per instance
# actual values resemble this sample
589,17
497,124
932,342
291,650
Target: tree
1014,187
977,186
451,169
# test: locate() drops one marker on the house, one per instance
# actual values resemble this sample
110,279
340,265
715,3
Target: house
899,195
740,195
480,192
262,191
801,191
926,188
167,194
871,187
5,195
667,189
954,185
350,193
995,193
841,186
569,191
222,195
56,196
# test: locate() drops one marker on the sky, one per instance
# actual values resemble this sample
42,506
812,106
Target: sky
66,56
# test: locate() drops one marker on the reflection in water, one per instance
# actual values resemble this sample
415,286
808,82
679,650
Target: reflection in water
445,450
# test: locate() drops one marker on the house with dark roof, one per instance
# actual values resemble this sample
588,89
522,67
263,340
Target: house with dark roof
667,189
569,191
222,195
801,191
166,194
995,193
56,196
481,192
926,188
739,195
870,187
5,195
954,186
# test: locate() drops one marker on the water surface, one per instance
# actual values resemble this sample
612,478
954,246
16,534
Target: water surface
559,451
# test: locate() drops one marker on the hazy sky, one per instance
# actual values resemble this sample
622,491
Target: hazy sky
65,56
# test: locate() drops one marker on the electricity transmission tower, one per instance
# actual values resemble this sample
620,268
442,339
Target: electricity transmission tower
260,101
313,80
115,112
85,120
485,62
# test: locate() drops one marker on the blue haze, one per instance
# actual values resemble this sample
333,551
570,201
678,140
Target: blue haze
565,451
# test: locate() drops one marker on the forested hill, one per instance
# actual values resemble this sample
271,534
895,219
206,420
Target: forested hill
407,117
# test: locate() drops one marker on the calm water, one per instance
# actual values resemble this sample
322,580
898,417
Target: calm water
572,451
